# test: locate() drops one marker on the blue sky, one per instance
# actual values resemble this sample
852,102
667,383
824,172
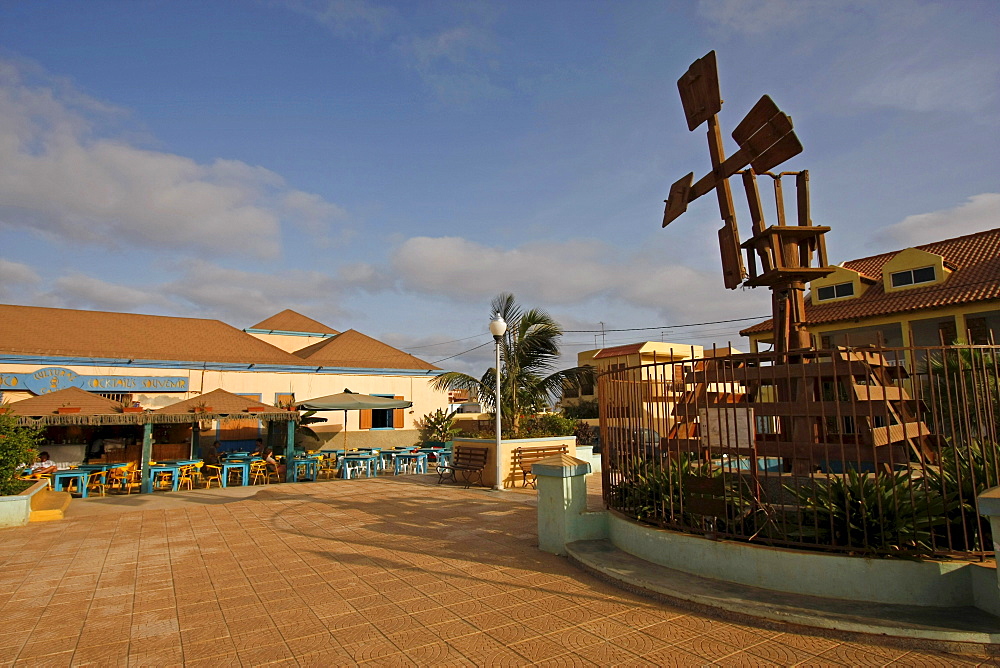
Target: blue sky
391,166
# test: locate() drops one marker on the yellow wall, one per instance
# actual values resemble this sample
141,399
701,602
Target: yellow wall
288,343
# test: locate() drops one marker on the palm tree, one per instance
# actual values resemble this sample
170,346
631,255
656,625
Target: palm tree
530,352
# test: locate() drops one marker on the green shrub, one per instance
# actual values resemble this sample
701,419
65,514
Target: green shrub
541,426
438,426
17,448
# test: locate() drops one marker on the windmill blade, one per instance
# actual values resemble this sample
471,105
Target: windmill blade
677,200
782,150
766,136
699,89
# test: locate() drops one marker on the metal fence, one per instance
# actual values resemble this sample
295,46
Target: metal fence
874,450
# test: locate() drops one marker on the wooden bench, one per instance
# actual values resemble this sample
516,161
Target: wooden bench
525,457
470,461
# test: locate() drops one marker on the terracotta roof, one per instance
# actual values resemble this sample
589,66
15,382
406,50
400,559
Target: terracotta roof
33,330
49,404
220,401
973,258
290,321
355,350
617,351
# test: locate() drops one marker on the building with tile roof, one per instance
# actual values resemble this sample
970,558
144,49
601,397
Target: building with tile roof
157,361
943,291
290,330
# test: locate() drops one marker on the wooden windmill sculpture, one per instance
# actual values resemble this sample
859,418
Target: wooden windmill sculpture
786,254
766,139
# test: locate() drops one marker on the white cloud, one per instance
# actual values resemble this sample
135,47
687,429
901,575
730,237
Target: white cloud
757,17
61,180
15,272
567,273
978,213
345,17
240,296
82,291
17,281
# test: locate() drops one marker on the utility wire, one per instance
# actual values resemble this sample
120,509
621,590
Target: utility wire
431,345
638,329
463,353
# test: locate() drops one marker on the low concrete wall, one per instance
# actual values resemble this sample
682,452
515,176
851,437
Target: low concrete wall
15,510
930,583
562,498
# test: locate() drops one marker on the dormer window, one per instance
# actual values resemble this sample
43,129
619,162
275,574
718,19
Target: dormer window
901,279
835,291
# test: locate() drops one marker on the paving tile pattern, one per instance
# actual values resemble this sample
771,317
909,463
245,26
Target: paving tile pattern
380,572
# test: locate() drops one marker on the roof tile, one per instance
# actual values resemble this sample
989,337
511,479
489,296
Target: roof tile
33,330
356,350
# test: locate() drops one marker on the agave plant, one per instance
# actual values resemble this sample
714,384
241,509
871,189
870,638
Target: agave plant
872,514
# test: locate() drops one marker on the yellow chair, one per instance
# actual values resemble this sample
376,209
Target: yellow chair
258,473
328,466
125,477
96,480
186,476
272,470
210,472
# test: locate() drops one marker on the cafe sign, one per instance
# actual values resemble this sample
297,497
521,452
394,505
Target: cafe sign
52,379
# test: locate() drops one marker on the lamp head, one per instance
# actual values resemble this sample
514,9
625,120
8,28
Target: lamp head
497,326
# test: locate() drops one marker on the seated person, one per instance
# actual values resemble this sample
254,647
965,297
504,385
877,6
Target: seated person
210,454
272,463
43,464
258,447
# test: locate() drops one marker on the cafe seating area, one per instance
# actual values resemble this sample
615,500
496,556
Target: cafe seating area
240,468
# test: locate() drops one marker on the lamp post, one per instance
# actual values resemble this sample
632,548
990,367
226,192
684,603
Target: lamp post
498,328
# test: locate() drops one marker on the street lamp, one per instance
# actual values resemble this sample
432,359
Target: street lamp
498,328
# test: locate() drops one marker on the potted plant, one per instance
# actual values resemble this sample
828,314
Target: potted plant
201,408
65,408
255,409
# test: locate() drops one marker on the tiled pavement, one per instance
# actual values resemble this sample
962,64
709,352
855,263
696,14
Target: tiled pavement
385,572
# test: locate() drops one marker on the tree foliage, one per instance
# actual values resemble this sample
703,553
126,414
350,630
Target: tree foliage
530,355
17,449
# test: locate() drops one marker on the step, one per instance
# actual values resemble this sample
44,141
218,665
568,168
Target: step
48,505
952,625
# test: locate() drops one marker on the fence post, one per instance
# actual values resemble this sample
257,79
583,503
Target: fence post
989,506
562,504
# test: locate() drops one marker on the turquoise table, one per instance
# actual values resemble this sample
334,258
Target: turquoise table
61,479
367,460
243,466
172,467
403,460
310,466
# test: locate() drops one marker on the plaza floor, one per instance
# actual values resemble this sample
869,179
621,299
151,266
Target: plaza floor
390,571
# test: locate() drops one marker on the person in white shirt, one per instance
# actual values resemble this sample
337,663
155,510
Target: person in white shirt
43,464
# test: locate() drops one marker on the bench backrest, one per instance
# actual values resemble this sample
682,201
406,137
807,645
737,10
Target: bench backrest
466,456
525,456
